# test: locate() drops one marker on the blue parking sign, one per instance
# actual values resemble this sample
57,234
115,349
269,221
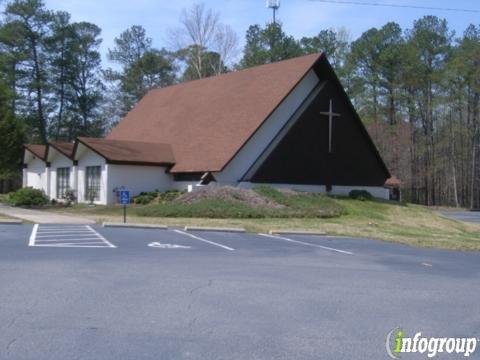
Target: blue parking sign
124,197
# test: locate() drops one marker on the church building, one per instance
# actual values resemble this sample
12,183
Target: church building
289,124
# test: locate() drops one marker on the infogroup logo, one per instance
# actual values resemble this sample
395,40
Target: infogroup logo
397,343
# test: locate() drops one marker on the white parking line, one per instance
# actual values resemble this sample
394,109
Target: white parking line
204,240
60,240
101,237
63,231
67,245
71,233
306,243
67,236
31,242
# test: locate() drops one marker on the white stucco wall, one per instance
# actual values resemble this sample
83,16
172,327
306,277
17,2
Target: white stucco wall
86,158
136,179
377,191
58,160
36,175
235,170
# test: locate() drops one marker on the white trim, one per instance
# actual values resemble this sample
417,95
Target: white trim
260,140
284,131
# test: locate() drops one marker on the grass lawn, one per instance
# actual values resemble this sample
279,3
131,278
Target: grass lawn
401,223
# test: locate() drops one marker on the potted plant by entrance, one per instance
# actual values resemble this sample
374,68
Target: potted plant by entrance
69,197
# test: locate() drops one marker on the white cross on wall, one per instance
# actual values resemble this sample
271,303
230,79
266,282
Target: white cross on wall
330,115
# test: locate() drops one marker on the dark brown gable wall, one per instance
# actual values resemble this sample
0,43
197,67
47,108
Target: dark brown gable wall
302,156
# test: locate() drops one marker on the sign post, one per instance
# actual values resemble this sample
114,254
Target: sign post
124,200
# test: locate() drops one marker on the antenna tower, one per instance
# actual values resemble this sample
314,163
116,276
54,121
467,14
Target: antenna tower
274,5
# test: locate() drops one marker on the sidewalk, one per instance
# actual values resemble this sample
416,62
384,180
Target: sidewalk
42,217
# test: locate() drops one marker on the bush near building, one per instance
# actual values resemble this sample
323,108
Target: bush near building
28,196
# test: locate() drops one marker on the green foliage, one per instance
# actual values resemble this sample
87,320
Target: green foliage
130,46
267,45
28,197
30,21
169,195
211,63
144,199
362,195
12,137
143,68
52,67
334,43
376,63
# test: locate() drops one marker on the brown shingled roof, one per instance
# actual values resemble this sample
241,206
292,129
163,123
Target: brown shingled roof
65,148
129,152
208,121
37,150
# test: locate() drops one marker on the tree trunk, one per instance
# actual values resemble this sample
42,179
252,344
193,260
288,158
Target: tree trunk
42,126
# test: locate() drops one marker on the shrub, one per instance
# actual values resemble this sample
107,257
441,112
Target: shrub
3,198
147,197
144,199
28,196
362,195
170,195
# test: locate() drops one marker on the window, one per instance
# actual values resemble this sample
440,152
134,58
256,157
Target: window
92,183
63,182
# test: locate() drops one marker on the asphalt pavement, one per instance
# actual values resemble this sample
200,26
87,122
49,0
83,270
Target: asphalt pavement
468,216
87,292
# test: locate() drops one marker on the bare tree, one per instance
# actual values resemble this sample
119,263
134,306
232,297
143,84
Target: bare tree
200,33
226,45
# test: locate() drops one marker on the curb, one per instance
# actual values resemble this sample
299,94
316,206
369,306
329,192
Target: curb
135,226
296,232
217,229
10,222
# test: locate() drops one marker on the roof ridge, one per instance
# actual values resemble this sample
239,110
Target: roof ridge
229,73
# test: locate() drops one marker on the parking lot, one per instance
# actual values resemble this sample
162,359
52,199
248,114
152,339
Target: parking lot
468,216
87,292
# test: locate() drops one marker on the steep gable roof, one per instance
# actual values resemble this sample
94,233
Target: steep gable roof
208,121
64,148
38,150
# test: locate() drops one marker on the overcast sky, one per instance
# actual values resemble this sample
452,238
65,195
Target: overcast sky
299,17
